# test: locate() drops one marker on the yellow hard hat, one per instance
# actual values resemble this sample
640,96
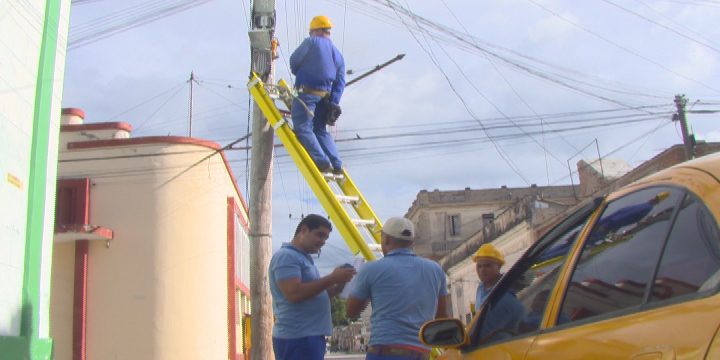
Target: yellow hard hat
320,22
488,251
662,195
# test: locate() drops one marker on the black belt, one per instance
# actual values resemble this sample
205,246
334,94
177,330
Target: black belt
398,351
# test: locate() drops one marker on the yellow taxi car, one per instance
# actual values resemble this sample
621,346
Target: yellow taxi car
634,275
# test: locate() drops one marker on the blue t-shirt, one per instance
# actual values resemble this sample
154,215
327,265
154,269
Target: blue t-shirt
319,65
309,317
403,289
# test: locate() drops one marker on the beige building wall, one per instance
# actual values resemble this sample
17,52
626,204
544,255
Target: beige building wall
159,288
447,219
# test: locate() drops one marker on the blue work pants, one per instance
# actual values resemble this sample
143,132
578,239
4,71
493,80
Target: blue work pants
313,135
304,348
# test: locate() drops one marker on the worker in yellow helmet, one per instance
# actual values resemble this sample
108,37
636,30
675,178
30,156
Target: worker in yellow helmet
506,310
488,261
319,70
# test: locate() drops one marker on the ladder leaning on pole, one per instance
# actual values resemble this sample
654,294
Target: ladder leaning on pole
350,212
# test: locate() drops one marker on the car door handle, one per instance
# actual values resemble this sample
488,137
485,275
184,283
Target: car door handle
662,352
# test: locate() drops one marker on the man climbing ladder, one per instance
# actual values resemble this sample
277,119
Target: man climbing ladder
319,70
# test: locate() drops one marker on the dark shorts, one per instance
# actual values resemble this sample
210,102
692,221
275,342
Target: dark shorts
304,348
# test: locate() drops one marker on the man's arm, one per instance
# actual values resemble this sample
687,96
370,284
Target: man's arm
442,307
354,306
338,86
297,57
296,291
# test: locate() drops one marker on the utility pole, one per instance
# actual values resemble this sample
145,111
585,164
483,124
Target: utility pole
192,80
261,44
688,138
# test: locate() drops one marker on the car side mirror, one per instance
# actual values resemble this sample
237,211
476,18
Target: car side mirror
444,333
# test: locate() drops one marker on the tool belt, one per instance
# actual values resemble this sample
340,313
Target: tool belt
408,353
307,90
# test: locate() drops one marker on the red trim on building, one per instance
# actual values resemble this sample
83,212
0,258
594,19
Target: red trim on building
231,293
242,287
121,125
149,140
80,301
73,111
242,219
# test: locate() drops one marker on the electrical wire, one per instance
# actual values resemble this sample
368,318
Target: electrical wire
499,150
127,19
624,48
661,25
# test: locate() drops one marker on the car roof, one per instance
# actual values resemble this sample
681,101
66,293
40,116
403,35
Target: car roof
709,164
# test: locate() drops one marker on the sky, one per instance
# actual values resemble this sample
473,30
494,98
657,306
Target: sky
490,93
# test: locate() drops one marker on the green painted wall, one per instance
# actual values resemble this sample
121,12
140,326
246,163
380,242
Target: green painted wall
33,40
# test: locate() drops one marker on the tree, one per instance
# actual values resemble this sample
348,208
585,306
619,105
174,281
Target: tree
337,309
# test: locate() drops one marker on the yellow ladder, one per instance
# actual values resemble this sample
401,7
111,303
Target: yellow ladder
338,194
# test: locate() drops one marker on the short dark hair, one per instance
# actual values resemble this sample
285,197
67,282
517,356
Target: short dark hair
312,222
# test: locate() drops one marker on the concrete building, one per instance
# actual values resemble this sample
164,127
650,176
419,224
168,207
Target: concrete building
33,39
151,247
447,219
523,221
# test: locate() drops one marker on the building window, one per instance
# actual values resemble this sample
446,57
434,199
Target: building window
72,200
488,218
454,225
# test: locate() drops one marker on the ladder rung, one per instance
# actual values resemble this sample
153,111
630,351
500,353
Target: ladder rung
347,198
333,176
363,222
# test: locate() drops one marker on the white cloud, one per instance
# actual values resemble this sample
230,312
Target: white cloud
699,63
554,28
711,136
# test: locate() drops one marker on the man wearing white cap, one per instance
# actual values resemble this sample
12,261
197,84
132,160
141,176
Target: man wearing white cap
405,291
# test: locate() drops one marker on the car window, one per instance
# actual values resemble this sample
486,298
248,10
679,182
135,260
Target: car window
518,305
620,254
691,259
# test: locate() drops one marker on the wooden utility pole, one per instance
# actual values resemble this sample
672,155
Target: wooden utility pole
261,34
688,139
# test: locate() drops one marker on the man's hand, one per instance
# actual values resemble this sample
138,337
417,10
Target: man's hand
342,275
332,114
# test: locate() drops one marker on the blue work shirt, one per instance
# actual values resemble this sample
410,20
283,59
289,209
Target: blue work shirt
502,316
309,317
403,289
319,65
481,294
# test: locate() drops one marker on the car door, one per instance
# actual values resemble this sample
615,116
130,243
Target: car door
530,283
643,282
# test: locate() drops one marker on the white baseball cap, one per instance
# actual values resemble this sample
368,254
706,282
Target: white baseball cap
399,228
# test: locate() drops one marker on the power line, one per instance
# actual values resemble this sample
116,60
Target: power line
432,57
661,25
624,48
126,19
468,42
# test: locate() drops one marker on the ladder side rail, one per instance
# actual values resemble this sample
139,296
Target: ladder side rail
307,167
362,207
